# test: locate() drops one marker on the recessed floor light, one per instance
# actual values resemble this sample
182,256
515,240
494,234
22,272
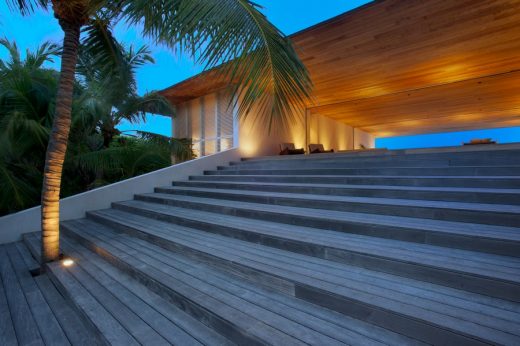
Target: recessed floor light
67,262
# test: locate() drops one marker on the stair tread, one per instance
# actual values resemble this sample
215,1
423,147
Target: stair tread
175,326
108,325
69,319
452,171
318,166
372,187
474,177
450,308
468,229
267,314
457,181
382,153
483,207
168,230
500,267
21,303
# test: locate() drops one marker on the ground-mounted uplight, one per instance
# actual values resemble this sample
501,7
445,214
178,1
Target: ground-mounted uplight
67,262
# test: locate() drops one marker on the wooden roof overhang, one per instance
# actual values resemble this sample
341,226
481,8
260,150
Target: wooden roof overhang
396,67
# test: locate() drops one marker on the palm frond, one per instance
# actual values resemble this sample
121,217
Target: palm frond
100,49
46,52
26,7
107,66
257,57
180,148
134,108
100,160
14,53
19,180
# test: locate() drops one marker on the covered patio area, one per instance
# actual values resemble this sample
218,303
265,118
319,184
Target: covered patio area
426,67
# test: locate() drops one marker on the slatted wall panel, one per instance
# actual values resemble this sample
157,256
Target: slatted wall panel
210,124
225,116
195,125
181,122
208,121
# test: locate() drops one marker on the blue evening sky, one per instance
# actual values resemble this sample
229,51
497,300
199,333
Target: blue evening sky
289,15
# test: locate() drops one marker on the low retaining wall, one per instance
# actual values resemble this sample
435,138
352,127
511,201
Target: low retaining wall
13,226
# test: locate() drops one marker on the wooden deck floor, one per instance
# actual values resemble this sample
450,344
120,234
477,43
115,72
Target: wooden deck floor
32,310
228,261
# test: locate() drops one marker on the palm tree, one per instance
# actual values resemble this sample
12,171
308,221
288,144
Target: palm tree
110,91
109,95
27,91
265,68
96,154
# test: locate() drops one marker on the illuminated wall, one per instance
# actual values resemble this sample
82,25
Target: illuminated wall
209,122
336,135
255,139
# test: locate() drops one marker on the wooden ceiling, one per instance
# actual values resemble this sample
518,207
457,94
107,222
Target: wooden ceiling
199,85
395,67
485,102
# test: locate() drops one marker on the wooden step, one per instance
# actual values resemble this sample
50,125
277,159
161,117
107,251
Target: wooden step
491,214
418,158
497,276
382,171
246,314
32,311
453,194
428,312
475,237
495,182
121,308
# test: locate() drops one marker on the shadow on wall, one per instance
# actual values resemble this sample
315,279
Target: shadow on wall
502,135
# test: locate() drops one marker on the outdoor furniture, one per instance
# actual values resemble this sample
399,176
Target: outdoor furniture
289,149
318,149
480,141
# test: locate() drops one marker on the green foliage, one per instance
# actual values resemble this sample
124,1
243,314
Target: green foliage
258,59
251,53
253,56
97,154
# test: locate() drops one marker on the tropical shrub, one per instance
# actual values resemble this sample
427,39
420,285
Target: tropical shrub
97,154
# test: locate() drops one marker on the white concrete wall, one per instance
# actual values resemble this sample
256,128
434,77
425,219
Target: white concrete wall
363,138
256,139
13,226
336,135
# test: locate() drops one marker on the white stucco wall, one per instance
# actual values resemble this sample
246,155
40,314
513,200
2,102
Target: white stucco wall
256,140
336,135
363,138
13,226
254,137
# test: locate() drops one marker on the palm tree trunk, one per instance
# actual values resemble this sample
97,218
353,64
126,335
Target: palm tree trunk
57,146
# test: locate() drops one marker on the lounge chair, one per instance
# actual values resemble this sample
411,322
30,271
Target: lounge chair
289,149
318,149
479,141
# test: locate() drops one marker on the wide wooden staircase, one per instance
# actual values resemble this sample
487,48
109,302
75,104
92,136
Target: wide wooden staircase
376,247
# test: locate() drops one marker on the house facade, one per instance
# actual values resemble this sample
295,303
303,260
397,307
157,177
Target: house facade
426,67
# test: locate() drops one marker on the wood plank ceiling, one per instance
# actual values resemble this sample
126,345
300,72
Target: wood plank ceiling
396,67
399,67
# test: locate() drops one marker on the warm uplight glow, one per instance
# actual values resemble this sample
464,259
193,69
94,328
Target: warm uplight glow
67,262
247,149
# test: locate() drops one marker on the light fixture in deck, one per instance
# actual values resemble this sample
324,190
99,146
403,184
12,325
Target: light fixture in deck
67,262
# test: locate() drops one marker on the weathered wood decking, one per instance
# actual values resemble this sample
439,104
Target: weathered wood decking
32,310
244,258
